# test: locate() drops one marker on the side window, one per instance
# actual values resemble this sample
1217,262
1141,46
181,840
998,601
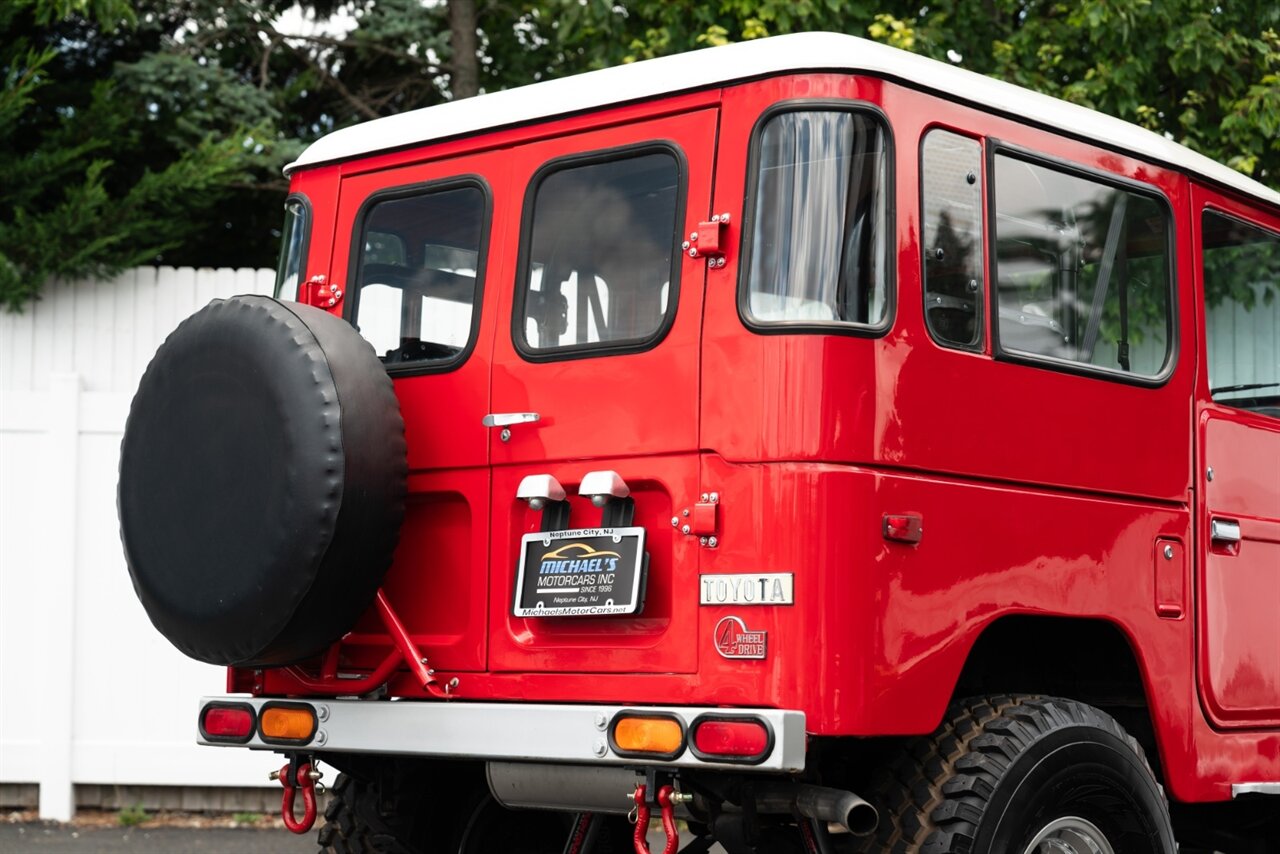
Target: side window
599,269
1242,313
293,247
1083,270
819,221
418,273
951,202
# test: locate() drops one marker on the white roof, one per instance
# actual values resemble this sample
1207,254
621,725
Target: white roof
720,65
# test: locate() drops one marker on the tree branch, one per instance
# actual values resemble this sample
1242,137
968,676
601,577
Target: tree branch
263,76
372,46
347,95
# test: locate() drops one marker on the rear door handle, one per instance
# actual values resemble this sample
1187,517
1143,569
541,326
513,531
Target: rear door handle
1224,531
506,419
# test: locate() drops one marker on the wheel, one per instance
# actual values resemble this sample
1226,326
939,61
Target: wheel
262,482
403,814
1022,775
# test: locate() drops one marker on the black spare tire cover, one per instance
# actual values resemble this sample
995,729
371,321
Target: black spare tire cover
262,482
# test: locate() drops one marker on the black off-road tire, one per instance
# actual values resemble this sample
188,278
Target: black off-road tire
1002,768
359,821
406,817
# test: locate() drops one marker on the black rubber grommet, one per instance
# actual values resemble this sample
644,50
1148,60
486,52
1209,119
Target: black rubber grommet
262,482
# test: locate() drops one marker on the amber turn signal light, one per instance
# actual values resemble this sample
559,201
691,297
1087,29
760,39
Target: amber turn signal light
294,723
648,735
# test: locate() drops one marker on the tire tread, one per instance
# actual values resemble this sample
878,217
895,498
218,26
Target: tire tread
934,795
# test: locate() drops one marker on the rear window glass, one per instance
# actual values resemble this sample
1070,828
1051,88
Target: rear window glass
819,230
417,275
1083,270
599,271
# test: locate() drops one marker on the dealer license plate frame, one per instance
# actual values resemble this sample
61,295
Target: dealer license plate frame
598,599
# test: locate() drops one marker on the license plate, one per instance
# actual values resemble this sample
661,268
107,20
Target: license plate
581,573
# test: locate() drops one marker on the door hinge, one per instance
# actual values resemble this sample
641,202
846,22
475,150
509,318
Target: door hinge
319,293
702,520
709,240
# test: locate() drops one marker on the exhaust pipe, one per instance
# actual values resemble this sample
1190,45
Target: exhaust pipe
604,788
834,806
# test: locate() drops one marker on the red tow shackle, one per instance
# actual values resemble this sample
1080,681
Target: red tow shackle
668,820
303,780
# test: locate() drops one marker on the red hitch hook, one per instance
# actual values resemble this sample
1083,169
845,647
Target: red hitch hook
668,820
301,779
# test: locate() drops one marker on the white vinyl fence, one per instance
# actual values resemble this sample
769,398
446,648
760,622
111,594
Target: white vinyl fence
90,693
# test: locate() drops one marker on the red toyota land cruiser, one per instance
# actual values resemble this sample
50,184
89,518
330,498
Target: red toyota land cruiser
819,445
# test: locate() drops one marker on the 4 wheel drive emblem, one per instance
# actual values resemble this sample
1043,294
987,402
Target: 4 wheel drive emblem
734,640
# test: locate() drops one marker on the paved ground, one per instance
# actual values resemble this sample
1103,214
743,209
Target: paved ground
55,839
43,838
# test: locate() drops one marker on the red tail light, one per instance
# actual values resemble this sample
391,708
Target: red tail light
227,722
732,739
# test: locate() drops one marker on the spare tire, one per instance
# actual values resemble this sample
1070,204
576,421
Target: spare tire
262,482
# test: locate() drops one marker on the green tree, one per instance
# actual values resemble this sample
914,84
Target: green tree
112,154
155,131
1205,73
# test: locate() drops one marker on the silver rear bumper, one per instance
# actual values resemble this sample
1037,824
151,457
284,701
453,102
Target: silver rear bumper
512,731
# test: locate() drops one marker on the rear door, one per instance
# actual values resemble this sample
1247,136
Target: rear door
1238,413
418,268
602,348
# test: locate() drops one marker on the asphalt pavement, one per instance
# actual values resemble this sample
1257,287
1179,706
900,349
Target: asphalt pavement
69,839
20,837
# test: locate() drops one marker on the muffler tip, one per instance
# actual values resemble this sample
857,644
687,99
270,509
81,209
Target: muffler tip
862,819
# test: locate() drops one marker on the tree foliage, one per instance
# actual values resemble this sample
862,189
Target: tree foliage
155,131
113,152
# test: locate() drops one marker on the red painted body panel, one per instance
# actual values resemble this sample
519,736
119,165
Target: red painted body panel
658,640
445,609
320,187
878,400
442,411
643,402
1041,492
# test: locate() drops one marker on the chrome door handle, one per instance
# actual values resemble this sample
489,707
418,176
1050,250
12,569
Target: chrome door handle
1224,531
506,419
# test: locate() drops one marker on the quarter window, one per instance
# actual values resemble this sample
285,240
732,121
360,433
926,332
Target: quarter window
600,269
819,221
1083,273
293,246
1242,313
418,274
951,196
